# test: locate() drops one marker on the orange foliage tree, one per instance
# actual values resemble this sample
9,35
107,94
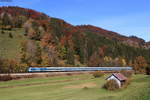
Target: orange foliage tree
140,64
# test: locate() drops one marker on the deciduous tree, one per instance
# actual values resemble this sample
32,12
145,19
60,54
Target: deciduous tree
140,64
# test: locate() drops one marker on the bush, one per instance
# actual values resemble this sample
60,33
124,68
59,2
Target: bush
2,32
98,74
85,88
128,81
127,74
111,85
5,78
148,70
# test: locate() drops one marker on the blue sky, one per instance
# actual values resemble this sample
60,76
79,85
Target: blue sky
127,17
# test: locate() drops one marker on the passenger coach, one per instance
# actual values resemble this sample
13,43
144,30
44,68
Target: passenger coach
69,69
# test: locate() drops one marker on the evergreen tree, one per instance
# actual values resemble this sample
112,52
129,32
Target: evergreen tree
62,51
70,56
38,54
6,20
70,53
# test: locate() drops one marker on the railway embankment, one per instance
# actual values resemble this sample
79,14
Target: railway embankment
15,76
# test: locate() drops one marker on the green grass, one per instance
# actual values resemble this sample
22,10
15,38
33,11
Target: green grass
10,47
72,88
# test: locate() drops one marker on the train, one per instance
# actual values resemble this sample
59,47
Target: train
71,69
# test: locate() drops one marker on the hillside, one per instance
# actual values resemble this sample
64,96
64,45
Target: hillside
33,38
10,46
132,40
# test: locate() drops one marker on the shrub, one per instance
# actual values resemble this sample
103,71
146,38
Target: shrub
85,88
148,70
10,35
69,74
127,74
128,81
98,74
5,78
111,85
2,32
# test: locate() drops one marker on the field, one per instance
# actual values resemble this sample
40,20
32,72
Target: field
78,87
10,47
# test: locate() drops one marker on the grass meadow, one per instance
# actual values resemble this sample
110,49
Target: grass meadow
77,87
10,47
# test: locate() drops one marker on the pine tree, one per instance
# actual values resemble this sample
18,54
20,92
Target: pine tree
70,56
6,20
38,54
62,51
70,53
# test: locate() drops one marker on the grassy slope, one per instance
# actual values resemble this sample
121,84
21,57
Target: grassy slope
10,47
53,88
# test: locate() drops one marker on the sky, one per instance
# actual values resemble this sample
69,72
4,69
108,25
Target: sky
127,17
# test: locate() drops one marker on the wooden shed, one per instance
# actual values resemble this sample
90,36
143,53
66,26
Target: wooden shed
118,77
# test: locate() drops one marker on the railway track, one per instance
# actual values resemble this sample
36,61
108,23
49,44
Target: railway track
47,74
42,74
